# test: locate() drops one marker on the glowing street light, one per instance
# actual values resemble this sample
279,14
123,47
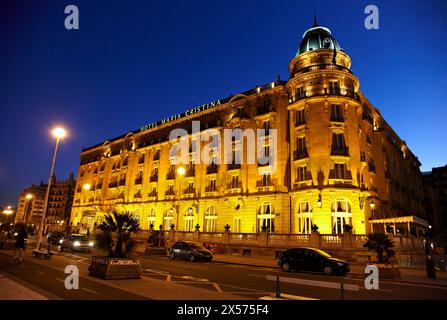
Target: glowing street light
8,211
87,186
58,133
181,171
28,197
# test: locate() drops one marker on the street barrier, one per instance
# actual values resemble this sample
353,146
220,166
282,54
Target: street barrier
313,283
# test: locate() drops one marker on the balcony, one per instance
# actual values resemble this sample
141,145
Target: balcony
139,180
300,154
210,188
234,187
340,151
233,166
137,195
337,175
157,156
264,110
336,92
189,191
122,182
153,178
337,119
99,186
212,168
141,160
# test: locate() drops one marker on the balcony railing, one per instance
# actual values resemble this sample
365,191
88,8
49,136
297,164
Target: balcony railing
189,191
234,166
210,188
139,180
113,184
234,185
153,178
266,183
169,193
300,154
122,182
340,151
343,93
190,173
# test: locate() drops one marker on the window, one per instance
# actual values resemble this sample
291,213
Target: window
300,93
266,218
234,182
190,188
210,219
304,217
266,127
339,171
301,173
299,117
341,215
237,224
336,113
188,219
334,87
338,144
168,218
212,185
151,218
301,145
266,181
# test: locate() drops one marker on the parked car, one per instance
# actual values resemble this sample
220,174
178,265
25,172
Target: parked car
190,250
311,259
76,242
54,238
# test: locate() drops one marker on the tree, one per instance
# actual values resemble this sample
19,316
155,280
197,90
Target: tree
382,244
122,225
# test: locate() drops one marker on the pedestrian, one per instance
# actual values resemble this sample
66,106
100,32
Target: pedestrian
20,244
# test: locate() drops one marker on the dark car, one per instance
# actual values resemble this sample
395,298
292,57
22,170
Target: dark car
55,238
190,250
77,242
310,259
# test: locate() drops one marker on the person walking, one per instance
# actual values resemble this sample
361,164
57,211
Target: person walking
20,244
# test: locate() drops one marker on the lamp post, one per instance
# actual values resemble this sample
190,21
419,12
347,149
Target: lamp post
28,197
180,171
58,133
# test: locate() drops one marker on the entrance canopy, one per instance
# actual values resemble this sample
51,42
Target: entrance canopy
406,219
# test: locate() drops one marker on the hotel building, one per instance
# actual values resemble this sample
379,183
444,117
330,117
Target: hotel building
338,162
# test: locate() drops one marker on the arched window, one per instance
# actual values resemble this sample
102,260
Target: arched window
188,219
210,219
266,218
151,218
305,216
168,218
341,215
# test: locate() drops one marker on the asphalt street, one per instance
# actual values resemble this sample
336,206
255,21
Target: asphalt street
246,281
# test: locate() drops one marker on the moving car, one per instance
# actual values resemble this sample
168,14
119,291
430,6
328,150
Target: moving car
55,237
76,242
190,250
311,259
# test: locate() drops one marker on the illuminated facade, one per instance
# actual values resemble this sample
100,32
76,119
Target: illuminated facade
338,162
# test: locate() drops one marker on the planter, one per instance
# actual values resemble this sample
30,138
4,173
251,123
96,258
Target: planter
115,268
387,270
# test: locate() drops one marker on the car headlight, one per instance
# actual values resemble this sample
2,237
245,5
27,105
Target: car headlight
76,243
15,234
91,243
340,264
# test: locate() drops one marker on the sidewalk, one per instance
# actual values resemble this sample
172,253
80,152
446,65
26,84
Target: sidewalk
11,290
414,276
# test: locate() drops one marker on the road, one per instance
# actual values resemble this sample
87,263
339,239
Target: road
246,281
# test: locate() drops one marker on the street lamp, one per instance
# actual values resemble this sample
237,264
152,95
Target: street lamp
87,186
8,211
28,197
58,133
180,171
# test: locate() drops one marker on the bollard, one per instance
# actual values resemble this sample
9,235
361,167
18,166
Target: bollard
278,293
342,291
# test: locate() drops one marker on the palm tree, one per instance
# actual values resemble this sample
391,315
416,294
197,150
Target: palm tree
123,225
382,244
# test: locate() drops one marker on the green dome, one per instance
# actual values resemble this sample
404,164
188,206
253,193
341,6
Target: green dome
316,38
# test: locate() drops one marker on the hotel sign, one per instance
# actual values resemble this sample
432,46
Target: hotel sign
188,112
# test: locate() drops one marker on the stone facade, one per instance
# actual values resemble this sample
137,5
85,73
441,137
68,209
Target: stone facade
338,162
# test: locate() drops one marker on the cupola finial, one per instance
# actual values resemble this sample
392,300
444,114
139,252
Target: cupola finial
315,18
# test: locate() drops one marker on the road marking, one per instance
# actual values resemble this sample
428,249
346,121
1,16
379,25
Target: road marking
285,296
315,283
156,271
88,290
40,272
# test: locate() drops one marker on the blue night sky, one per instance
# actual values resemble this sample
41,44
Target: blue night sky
134,62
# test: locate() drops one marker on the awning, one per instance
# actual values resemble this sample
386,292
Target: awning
406,219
